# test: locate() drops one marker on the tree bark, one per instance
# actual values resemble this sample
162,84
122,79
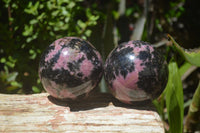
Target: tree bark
96,113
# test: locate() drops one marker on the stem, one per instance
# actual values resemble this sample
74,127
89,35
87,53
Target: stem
193,119
9,17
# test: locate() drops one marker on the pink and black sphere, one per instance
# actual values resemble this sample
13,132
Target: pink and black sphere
70,67
135,71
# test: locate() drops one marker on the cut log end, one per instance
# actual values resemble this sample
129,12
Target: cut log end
96,113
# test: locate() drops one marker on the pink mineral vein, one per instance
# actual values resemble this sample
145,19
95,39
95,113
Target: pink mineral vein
67,55
86,67
131,79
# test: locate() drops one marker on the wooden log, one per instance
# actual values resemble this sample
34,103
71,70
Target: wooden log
97,113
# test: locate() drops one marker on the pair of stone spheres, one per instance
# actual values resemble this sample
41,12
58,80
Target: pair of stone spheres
134,71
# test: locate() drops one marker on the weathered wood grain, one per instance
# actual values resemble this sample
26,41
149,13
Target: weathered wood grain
97,113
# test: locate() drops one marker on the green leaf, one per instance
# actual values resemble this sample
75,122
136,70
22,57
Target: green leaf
12,76
81,24
129,11
174,99
196,100
33,21
35,89
32,9
16,84
29,39
187,103
10,64
28,30
192,120
192,56
35,8
41,16
67,19
3,60
32,53
88,33
93,18
64,11
115,14
11,88
7,2
14,5
55,13
184,68
71,4
88,12
158,25
160,105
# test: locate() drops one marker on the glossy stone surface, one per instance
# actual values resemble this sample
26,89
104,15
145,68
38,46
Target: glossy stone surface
70,67
135,71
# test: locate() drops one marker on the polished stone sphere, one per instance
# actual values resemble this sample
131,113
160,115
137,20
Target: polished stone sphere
135,71
70,67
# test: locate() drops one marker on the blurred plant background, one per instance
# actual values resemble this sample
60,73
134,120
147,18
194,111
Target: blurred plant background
28,27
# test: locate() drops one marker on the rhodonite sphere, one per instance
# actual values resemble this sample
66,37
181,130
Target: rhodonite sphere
135,71
70,67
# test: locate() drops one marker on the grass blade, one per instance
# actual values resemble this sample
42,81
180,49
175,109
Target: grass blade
174,99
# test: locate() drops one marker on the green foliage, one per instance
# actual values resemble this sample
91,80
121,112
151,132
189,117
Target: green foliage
173,94
192,119
168,15
174,99
58,18
8,81
28,27
160,105
192,56
183,69
176,10
134,11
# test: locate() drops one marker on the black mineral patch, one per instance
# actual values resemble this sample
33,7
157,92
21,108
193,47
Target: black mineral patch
119,63
45,53
144,55
86,48
75,65
80,74
154,76
62,77
74,43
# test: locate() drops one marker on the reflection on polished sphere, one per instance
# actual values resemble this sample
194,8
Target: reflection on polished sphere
135,71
